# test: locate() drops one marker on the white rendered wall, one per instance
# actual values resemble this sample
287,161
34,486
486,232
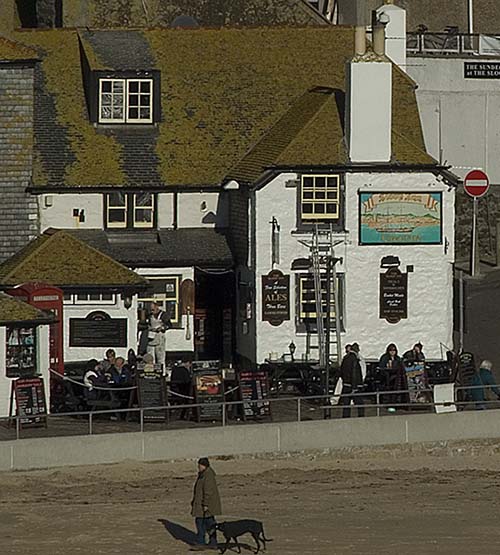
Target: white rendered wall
57,211
117,310
177,339
202,209
369,111
395,33
165,210
460,117
430,290
42,366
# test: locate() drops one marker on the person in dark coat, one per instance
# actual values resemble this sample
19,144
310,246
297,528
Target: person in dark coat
352,381
205,504
180,384
414,355
483,377
392,366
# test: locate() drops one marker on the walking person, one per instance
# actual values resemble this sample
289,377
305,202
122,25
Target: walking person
352,381
206,503
484,377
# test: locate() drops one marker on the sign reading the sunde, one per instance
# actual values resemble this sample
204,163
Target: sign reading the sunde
482,70
393,295
275,298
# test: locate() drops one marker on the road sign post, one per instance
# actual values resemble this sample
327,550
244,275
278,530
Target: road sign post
476,185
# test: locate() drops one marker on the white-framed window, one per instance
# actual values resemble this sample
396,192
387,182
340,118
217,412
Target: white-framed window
130,210
90,298
320,198
143,209
165,291
117,209
306,298
125,100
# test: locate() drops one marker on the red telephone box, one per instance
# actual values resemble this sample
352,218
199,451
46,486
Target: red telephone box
49,299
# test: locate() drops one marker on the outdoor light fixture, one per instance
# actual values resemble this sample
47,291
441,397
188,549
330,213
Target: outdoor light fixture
127,301
389,261
292,348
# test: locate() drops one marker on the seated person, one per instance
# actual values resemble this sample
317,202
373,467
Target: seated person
121,373
94,377
414,355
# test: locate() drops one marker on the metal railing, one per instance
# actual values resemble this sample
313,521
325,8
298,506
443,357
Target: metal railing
463,44
381,402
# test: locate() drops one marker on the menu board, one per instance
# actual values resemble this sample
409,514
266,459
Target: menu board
417,382
393,295
29,396
208,389
151,391
254,386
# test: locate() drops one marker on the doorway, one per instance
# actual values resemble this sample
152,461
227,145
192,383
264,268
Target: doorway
213,321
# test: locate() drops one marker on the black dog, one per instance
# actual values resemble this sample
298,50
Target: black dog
232,530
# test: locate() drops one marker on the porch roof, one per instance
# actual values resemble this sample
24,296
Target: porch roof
59,258
206,247
15,311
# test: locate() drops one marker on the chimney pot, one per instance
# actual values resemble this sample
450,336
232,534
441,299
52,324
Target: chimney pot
359,40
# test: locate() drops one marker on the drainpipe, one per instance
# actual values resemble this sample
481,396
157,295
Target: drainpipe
471,16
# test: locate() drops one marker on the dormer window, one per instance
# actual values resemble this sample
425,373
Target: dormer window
125,101
130,210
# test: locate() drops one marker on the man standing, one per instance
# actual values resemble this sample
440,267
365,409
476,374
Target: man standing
484,377
159,323
352,380
206,503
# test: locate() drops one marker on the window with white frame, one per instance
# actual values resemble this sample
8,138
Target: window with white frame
306,298
130,210
164,290
126,101
320,198
89,298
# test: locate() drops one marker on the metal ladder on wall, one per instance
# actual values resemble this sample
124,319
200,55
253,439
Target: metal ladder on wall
324,263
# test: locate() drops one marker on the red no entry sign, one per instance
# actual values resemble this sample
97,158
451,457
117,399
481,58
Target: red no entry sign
476,183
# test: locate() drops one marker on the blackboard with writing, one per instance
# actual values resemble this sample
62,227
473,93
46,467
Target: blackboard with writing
98,329
393,295
31,407
254,386
208,389
151,390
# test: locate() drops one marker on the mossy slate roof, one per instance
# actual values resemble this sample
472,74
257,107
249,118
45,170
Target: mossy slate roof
59,258
208,13
14,311
222,91
13,51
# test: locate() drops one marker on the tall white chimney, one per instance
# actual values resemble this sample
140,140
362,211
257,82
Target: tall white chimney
369,102
394,18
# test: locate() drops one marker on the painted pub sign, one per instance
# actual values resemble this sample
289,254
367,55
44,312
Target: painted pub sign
403,218
393,295
275,298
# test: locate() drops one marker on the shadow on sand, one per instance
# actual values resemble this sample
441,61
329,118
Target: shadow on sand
180,533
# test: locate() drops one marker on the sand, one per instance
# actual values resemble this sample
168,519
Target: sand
412,501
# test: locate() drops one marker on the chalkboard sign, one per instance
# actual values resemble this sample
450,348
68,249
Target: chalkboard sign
151,391
98,329
254,386
208,389
29,395
393,295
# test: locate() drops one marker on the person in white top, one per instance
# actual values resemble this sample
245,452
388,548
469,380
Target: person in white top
159,323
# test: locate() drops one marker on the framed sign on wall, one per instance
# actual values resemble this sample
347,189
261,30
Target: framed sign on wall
400,218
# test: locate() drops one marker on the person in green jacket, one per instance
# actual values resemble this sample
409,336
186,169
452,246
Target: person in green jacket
206,503
483,376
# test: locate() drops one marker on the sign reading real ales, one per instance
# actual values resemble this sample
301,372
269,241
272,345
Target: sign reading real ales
393,295
275,298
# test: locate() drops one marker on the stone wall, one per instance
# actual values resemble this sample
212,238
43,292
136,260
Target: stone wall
18,209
